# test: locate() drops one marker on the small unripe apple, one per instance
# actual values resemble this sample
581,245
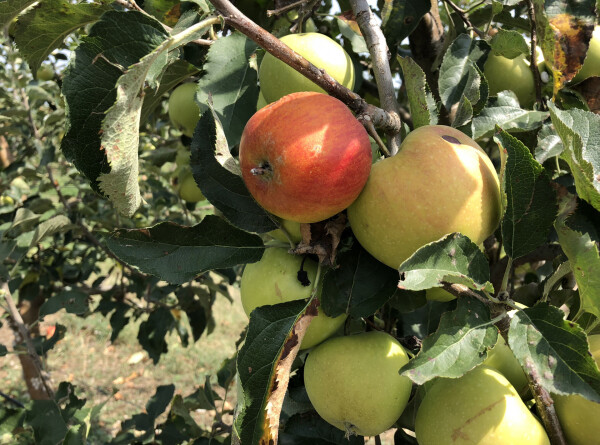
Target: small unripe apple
479,408
293,229
591,65
278,79
440,182
579,416
510,74
187,187
184,112
305,157
45,72
353,382
275,279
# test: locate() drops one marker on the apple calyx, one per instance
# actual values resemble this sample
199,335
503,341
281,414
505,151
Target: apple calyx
350,430
262,170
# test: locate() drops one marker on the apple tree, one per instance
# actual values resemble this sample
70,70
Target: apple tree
123,130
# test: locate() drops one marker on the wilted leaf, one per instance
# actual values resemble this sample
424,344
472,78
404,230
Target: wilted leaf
459,344
530,201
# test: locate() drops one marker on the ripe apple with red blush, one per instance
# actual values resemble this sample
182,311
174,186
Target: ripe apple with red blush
305,157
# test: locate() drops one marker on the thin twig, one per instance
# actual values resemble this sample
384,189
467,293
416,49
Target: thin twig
285,8
534,68
232,16
23,331
373,133
465,18
11,399
381,66
546,410
306,10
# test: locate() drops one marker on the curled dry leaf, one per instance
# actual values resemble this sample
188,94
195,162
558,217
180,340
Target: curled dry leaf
281,376
322,239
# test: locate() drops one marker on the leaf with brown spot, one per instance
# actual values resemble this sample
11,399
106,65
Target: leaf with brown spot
322,239
264,363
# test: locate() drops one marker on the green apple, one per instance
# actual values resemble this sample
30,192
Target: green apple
502,359
184,112
591,65
292,227
578,416
274,279
440,182
439,294
187,187
278,79
510,74
479,408
45,72
353,382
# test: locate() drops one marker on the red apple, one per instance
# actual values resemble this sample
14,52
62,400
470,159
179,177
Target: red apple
305,157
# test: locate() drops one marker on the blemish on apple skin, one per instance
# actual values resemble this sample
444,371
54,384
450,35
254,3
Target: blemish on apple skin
451,139
457,433
548,375
278,292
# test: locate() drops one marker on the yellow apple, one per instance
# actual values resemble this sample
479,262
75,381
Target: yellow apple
187,187
440,182
278,79
184,112
510,74
292,227
479,408
353,382
591,65
274,279
578,416
502,359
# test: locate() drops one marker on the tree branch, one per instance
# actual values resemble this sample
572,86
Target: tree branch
24,333
534,68
232,16
381,65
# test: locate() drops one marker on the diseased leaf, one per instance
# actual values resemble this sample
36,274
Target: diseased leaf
530,201
218,176
452,259
231,83
119,40
459,344
358,286
580,134
178,254
264,362
583,256
44,27
422,104
555,351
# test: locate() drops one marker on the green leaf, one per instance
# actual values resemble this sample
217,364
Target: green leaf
580,134
231,83
555,350
310,429
452,259
45,419
506,112
179,426
464,112
459,344
509,44
270,334
357,41
358,286
583,256
401,19
178,254
459,76
549,143
119,40
218,175
153,332
73,301
531,202
44,27
422,104
50,227
9,9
